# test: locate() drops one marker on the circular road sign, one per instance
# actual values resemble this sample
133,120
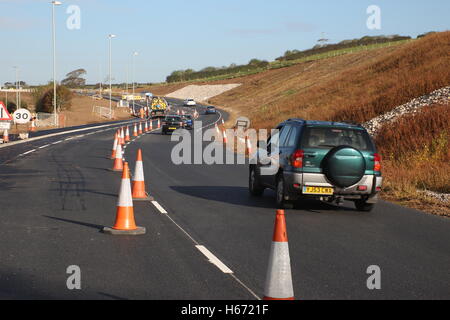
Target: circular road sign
22,116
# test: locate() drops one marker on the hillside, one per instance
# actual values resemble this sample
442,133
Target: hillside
359,87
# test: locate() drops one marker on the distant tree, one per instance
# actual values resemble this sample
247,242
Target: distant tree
74,79
254,62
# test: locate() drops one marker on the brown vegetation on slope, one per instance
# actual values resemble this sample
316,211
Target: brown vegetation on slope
354,87
416,149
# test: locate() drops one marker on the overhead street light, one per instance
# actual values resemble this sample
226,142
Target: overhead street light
111,36
54,3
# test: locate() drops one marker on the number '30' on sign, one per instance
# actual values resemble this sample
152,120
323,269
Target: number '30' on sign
22,116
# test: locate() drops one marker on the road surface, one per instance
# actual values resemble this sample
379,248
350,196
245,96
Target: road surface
54,201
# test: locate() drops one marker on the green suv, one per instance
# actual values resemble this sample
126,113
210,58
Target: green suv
328,161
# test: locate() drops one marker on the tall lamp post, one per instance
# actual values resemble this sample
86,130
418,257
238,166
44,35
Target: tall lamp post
54,3
134,55
111,36
17,87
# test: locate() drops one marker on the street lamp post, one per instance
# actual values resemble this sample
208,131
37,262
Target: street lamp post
54,3
17,87
111,36
134,55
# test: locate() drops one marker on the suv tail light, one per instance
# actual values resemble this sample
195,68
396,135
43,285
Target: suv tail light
377,162
297,159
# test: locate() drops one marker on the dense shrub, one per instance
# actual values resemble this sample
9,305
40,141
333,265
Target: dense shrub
43,97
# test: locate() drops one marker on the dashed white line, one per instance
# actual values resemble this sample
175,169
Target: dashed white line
56,142
159,207
214,260
45,146
28,152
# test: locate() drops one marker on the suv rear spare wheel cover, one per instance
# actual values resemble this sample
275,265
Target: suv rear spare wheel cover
344,166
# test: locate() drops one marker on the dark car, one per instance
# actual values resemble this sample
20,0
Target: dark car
210,110
171,123
188,121
327,161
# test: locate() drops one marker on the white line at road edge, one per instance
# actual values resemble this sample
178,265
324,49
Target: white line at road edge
158,206
214,260
211,257
66,132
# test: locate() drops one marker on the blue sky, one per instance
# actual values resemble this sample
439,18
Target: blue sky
176,34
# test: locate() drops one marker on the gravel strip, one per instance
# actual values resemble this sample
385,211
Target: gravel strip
440,96
202,93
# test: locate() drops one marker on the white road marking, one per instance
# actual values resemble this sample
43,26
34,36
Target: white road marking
45,146
158,206
213,259
28,152
57,142
66,132
211,124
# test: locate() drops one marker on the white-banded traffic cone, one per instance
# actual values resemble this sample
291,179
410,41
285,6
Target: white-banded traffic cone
122,137
151,125
118,160
279,277
125,223
159,124
116,142
135,132
139,193
248,146
33,126
225,138
5,136
146,127
140,128
127,135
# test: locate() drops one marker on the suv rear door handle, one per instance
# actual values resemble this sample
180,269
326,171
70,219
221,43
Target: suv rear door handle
311,155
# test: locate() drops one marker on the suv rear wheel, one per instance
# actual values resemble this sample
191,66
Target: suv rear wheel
281,194
254,185
362,205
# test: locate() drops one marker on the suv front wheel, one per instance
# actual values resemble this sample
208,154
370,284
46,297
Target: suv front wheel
281,194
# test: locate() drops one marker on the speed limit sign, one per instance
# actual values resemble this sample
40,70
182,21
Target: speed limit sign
22,116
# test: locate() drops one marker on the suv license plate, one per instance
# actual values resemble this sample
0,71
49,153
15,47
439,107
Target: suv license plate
318,190
172,128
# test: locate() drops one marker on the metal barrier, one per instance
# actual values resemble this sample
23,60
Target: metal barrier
45,120
103,112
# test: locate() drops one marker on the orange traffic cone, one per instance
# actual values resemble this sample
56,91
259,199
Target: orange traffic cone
139,192
225,138
118,160
122,137
140,128
146,127
33,126
159,124
5,136
135,133
127,135
279,278
125,223
248,145
151,125
116,142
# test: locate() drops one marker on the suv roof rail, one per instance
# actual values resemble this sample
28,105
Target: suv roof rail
296,119
350,122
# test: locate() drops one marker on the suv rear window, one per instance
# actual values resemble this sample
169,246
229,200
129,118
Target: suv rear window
330,137
173,119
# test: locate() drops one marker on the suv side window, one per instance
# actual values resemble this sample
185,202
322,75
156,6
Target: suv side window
284,134
292,139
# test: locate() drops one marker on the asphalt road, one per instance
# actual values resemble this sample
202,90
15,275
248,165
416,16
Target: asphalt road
54,202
